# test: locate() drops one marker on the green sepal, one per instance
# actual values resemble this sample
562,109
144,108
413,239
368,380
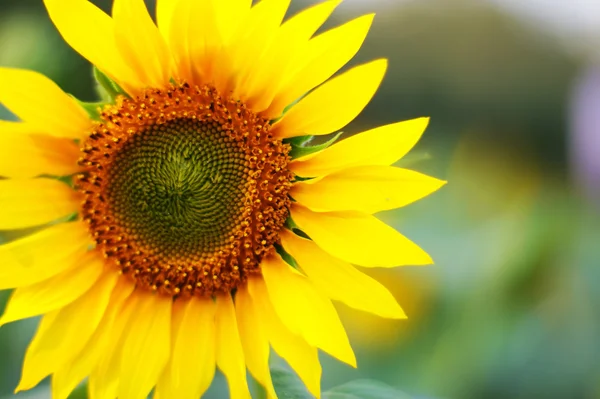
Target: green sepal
107,88
290,106
300,178
81,392
285,256
299,141
285,111
68,180
290,224
94,110
293,227
301,150
72,217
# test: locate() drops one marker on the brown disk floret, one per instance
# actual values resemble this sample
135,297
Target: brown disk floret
185,191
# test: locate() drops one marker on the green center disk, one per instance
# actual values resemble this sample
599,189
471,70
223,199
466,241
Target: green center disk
179,188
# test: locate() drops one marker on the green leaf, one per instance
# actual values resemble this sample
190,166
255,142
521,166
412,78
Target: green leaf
107,89
340,395
365,389
288,385
300,149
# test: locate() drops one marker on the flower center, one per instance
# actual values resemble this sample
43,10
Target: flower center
185,191
179,187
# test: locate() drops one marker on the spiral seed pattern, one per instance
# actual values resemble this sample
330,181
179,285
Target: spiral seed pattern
177,187
184,191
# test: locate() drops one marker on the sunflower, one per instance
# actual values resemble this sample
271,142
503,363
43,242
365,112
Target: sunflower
186,224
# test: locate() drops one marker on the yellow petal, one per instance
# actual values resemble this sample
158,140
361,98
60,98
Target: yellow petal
97,45
301,356
381,146
165,12
359,238
306,311
368,189
196,38
229,15
31,377
149,327
45,155
42,255
175,28
205,49
33,202
172,17
14,128
291,38
322,57
41,103
308,21
334,104
252,39
254,340
62,340
65,379
140,43
192,365
55,292
212,24
340,280
104,378
230,355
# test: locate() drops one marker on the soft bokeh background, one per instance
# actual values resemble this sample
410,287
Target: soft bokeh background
511,307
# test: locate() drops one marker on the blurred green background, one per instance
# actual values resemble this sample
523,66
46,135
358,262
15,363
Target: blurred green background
511,309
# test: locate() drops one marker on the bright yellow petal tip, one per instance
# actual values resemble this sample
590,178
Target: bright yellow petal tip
359,238
340,280
368,189
335,104
381,146
313,317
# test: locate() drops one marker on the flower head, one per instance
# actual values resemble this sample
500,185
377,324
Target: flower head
192,226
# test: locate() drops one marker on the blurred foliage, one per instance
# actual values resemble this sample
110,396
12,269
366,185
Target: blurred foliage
510,309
